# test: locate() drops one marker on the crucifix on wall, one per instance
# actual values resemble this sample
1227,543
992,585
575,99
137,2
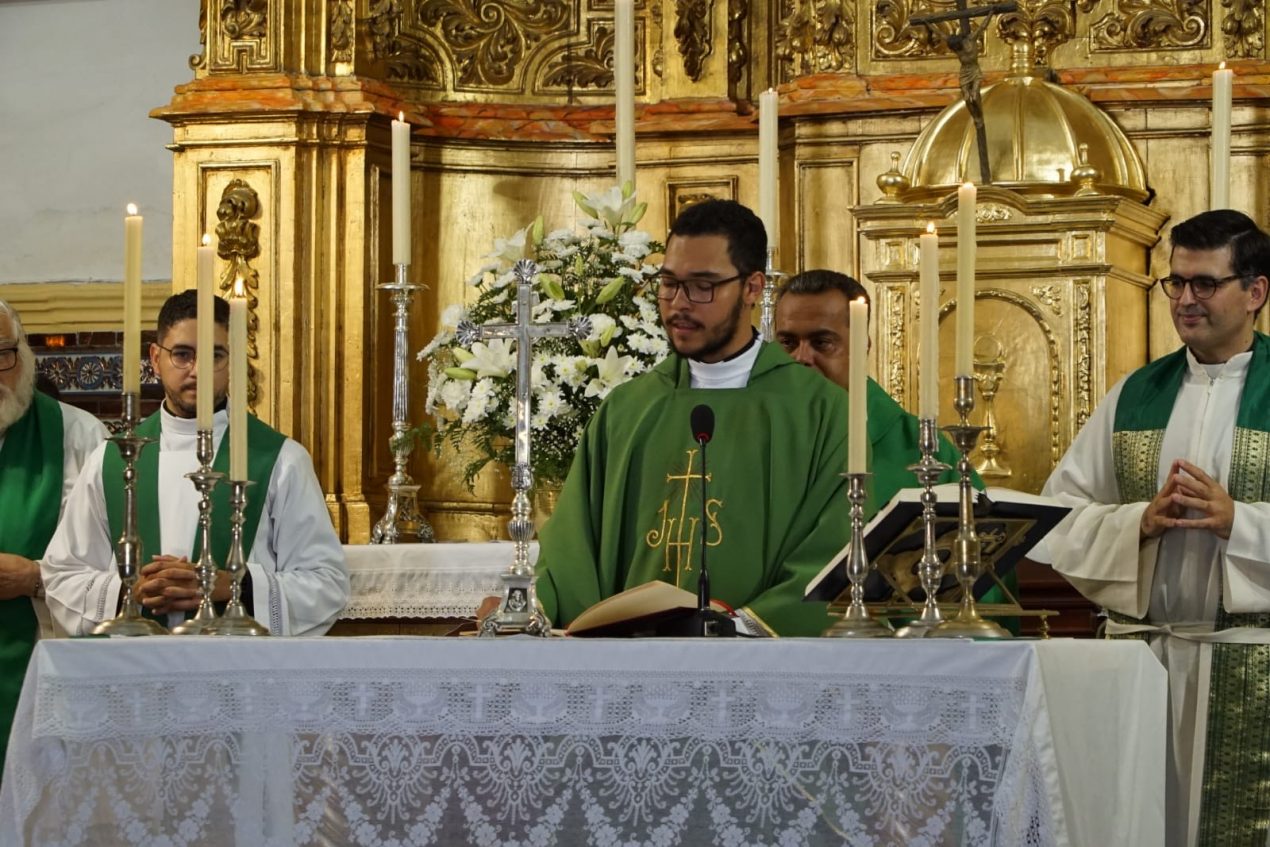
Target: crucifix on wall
964,44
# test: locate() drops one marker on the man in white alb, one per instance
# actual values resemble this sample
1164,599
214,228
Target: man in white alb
1170,480
297,580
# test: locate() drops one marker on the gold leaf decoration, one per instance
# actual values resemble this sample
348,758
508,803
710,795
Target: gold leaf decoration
894,38
241,19
738,46
238,243
592,68
658,61
1045,24
199,59
341,30
693,34
405,57
818,36
1244,28
488,42
1153,24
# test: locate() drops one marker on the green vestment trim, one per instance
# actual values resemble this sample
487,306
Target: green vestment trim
1235,799
630,509
263,446
31,467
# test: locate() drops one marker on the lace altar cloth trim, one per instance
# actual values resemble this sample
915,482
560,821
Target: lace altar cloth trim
423,580
521,753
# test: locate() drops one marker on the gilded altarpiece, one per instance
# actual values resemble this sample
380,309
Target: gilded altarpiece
512,107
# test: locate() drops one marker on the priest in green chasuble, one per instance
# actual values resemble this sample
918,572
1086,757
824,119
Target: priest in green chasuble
43,443
813,325
1170,530
630,510
297,580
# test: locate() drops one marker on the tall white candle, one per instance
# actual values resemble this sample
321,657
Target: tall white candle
238,383
400,191
966,196
858,368
768,163
928,329
132,301
1219,150
624,89
206,333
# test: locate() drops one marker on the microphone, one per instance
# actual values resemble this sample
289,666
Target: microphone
703,430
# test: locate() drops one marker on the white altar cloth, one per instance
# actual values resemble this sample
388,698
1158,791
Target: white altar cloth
415,741
424,580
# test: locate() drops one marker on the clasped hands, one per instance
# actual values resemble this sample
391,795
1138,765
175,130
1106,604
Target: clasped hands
170,584
1189,487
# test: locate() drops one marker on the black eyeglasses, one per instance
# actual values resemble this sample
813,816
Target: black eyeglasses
183,358
1202,287
696,290
8,358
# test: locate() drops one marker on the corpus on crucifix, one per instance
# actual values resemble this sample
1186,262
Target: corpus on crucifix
518,612
964,44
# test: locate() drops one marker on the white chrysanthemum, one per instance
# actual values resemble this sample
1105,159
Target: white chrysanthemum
454,394
575,370
632,273
452,314
479,400
635,242
601,324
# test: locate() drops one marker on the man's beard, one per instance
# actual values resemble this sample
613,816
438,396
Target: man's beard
718,338
15,402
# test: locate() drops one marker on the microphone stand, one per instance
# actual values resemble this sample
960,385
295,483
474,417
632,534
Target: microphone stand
708,622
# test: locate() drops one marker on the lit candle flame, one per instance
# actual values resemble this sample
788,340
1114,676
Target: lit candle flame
240,289
930,228
401,116
1222,66
132,209
207,240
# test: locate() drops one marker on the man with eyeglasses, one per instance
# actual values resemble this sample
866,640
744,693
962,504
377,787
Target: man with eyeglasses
43,443
297,580
1170,531
630,510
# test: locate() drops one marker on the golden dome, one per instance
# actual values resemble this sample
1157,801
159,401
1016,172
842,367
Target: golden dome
1035,130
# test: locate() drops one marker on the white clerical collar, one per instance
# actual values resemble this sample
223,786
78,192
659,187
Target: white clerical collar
1233,368
172,425
730,373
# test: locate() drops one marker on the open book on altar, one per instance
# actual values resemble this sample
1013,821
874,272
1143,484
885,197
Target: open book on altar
653,609
1008,523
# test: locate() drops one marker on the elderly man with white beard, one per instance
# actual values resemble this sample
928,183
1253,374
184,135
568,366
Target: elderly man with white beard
43,442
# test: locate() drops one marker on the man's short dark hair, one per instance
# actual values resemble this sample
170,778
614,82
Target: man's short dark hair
820,280
184,307
1249,246
747,240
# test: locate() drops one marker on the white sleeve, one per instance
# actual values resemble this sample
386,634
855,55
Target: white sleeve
1246,562
1097,546
308,586
78,568
82,433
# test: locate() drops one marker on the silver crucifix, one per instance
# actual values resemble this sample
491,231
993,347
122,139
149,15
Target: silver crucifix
519,611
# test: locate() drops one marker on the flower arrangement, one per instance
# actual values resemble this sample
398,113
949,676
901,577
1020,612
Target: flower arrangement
600,272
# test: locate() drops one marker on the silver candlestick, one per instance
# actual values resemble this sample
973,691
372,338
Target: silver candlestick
128,552
519,611
856,621
402,520
235,620
767,307
966,561
204,479
930,570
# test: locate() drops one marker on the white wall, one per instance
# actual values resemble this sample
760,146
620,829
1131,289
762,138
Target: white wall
78,79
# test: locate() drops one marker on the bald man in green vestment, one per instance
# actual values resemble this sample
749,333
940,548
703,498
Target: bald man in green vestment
43,443
630,509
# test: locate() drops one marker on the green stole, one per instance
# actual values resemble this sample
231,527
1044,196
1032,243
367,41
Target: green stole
1235,801
263,446
31,462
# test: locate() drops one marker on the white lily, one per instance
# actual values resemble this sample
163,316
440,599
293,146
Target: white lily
611,372
496,359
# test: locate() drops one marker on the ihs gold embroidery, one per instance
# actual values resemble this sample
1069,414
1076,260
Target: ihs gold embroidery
677,535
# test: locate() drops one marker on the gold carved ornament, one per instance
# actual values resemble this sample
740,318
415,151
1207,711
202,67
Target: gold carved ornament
694,34
488,42
815,36
238,242
342,30
240,19
406,58
738,43
1244,28
199,59
1045,24
592,68
894,38
1153,24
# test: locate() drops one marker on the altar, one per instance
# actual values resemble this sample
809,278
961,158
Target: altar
421,741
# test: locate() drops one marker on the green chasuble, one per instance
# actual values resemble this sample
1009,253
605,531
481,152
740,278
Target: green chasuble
630,509
31,463
1235,799
263,446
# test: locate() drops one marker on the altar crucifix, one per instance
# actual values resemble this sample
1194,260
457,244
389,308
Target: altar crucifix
964,44
518,612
